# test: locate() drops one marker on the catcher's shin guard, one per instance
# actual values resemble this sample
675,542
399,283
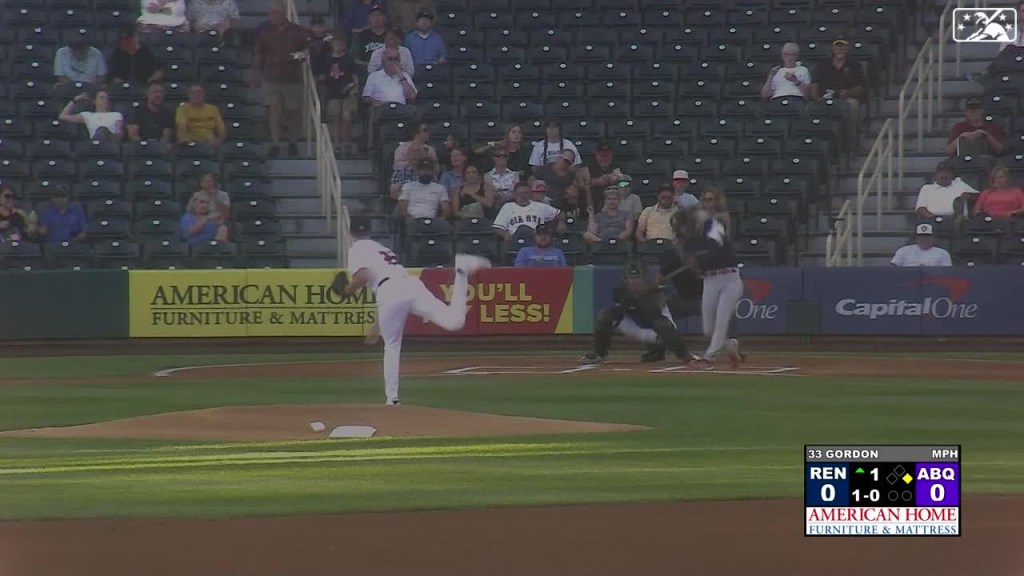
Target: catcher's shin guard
604,325
669,338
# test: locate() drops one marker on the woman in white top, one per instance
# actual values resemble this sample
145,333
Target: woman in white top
551,148
101,124
163,14
791,80
501,181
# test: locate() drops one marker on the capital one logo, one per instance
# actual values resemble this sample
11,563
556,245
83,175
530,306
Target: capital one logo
949,306
750,307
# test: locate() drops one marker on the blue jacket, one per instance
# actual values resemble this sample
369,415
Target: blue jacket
425,50
533,257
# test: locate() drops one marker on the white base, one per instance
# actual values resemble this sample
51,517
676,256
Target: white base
353,432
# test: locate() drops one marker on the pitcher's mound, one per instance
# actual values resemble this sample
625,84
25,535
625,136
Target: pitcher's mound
289,422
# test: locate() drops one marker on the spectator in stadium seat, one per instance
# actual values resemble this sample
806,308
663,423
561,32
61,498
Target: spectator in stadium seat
712,201
100,124
610,222
501,180
198,121
552,146
601,172
558,174
791,80
512,143
339,76
389,85
452,178
278,52
371,38
15,224
408,154
656,220
221,16
941,198
1002,199
220,202
541,254
357,17
842,78
923,252
629,203
133,62
163,15
79,62
975,135
444,155
539,192
680,180
403,12
572,203
424,198
392,41
197,225
519,219
427,46
473,199
151,120
62,220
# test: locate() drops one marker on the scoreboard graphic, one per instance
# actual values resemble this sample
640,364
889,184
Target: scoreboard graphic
883,490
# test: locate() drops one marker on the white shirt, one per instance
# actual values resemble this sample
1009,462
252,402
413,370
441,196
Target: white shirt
172,15
377,61
539,158
424,199
504,183
512,215
96,120
782,86
380,86
939,199
913,255
377,259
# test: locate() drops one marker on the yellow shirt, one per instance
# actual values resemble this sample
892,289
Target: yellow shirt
659,221
198,124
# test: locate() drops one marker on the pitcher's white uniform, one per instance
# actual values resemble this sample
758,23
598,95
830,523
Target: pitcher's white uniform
398,294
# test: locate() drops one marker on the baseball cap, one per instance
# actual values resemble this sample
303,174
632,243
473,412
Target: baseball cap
424,14
840,40
543,229
567,155
974,102
376,8
539,186
944,166
424,164
604,147
924,229
359,224
680,175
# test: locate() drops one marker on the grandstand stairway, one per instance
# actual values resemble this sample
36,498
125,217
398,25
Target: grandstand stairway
882,239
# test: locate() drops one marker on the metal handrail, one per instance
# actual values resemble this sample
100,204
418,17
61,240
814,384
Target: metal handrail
922,75
318,141
839,240
881,154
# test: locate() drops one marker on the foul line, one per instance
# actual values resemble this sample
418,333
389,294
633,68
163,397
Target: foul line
500,370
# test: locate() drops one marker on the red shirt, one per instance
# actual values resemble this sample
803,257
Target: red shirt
999,202
965,126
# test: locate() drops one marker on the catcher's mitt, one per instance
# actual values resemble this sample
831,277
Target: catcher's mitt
340,283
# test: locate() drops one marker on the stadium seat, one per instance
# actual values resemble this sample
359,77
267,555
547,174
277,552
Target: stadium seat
651,251
253,210
69,255
263,253
431,252
573,247
118,254
20,255
109,208
213,255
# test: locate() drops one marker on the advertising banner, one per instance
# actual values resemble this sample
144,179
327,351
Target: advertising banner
298,302
506,301
867,300
973,301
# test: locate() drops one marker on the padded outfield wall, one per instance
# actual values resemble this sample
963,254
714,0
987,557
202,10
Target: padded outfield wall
503,301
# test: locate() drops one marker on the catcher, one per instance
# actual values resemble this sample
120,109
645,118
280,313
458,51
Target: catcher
640,313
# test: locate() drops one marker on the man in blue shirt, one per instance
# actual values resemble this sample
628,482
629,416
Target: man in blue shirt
541,254
426,46
61,220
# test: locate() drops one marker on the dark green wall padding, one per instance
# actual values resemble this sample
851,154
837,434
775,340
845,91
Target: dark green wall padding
63,304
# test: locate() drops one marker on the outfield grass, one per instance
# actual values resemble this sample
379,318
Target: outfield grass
713,436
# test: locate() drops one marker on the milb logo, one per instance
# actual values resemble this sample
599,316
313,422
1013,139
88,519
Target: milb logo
944,307
985,25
